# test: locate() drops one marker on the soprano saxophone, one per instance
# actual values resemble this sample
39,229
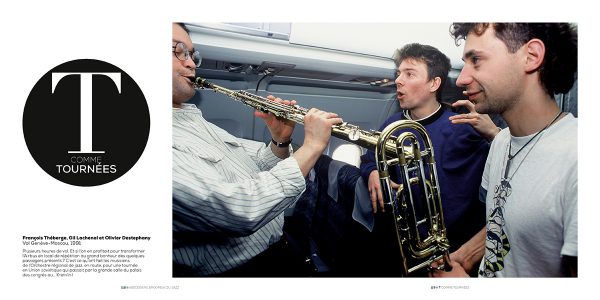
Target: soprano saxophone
417,168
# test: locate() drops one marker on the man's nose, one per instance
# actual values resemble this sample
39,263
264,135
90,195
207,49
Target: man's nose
398,81
464,78
189,63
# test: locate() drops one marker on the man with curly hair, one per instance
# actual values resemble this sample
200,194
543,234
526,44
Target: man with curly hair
529,182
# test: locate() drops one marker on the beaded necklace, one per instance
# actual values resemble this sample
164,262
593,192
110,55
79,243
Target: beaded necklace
510,157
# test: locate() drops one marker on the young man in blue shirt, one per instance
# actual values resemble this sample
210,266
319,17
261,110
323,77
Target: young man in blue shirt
460,151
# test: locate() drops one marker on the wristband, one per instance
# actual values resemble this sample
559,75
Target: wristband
281,145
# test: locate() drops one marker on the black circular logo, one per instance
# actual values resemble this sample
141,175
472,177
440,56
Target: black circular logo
86,122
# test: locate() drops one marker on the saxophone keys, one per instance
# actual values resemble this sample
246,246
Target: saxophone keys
354,134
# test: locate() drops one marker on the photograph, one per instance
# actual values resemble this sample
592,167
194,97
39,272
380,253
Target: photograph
340,149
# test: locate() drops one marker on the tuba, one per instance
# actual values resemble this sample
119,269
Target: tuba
416,206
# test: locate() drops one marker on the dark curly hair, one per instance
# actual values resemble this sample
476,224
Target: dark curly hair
438,64
558,71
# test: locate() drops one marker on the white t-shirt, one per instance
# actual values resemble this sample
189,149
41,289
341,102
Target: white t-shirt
532,221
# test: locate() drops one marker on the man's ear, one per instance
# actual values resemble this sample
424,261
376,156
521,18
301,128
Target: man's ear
535,55
435,84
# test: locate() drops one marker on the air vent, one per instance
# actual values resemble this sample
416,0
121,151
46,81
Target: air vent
273,68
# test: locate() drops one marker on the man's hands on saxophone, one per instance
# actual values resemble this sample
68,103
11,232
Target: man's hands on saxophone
317,132
280,129
317,128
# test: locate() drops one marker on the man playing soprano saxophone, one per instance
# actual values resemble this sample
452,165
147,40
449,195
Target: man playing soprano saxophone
229,194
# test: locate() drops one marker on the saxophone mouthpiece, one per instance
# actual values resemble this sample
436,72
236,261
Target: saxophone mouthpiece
202,83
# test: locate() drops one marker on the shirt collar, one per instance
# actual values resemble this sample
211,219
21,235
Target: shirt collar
429,119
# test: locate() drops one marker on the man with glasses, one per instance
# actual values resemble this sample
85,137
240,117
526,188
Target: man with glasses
182,53
229,194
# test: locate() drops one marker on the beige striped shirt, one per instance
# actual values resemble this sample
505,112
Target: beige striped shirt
229,194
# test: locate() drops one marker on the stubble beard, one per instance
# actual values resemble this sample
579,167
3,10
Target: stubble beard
494,105
182,92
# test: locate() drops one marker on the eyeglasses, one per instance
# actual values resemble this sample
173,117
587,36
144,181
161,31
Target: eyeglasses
182,53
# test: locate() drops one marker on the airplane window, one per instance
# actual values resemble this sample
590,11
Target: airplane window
348,153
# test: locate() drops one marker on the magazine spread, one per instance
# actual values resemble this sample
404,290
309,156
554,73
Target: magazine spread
240,188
